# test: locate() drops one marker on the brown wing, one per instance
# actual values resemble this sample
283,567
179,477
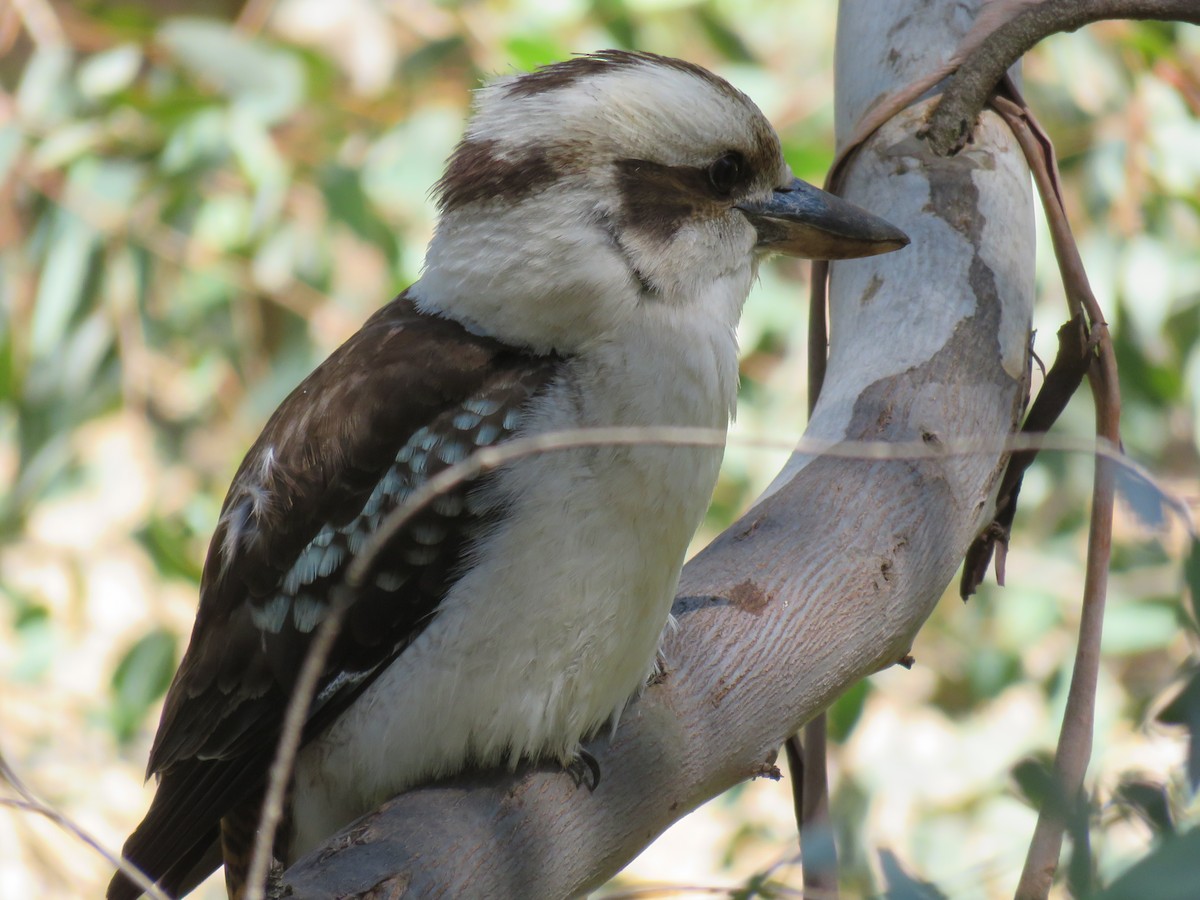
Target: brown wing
405,397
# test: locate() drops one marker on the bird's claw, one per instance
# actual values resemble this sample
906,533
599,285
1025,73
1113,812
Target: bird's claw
584,770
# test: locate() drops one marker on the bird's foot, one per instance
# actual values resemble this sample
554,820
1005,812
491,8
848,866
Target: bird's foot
584,770
274,888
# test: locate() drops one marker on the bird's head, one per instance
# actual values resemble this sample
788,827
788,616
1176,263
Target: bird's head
587,189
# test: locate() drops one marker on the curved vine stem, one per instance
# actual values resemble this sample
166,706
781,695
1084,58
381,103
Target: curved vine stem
1075,738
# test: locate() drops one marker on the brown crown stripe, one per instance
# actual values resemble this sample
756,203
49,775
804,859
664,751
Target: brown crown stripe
563,74
476,173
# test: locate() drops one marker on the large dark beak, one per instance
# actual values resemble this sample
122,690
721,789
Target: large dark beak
801,220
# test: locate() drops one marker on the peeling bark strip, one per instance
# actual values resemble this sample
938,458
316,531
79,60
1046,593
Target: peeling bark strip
476,172
940,349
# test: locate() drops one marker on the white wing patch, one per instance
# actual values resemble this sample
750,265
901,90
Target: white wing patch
234,520
260,494
245,516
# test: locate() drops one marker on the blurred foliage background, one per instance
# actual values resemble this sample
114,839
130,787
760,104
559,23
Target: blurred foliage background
200,199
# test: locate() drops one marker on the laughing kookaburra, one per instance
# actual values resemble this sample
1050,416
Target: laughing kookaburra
601,224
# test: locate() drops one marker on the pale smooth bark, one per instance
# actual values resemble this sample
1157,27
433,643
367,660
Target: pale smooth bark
832,572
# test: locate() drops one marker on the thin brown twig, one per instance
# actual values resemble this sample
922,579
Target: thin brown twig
1019,25
1075,738
818,322
802,753
819,861
28,802
807,757
794,750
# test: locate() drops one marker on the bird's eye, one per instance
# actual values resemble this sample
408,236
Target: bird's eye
726,171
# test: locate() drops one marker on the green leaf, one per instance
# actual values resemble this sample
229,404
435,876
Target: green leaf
1139,626
60,290
108,185
259,159
901,885
990,671
614,15
224,221
264,81
1191,578
528,51
200,139
142,676
110,71
1148,799
36,640
80,369
1184,710
1143,498
67,143
168,543
846,710
1169,872
12,142
1034,778
128,20
348,203
42,97
726,39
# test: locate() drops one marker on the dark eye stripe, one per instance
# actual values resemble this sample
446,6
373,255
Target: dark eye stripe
657,199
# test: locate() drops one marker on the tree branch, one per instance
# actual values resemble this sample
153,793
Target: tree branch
1018,26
